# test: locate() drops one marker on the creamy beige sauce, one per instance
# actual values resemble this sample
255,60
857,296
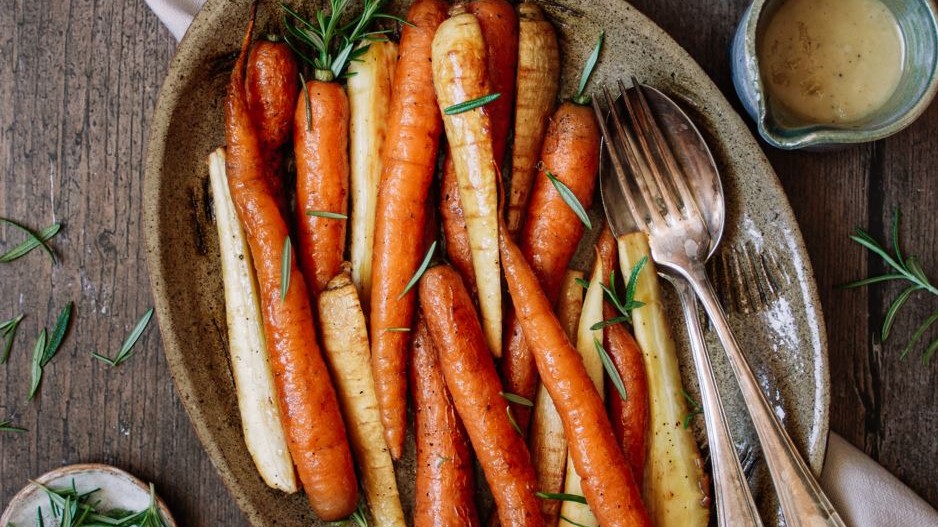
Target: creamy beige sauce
831,61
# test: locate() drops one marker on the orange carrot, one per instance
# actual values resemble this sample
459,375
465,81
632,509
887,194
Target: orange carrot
454,226
471,379
409,161
499,25
611,490
309,408
320,139
629,417
445,494
552,231
272,89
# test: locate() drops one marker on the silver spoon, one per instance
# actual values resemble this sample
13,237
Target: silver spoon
734,503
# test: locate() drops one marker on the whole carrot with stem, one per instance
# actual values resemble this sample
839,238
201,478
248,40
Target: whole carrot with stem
320,133
445,490
470,377
610,489
538,83
409,161
629,416
555,222
272,90
309,408
460,77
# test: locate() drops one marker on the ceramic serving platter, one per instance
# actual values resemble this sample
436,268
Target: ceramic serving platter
762,268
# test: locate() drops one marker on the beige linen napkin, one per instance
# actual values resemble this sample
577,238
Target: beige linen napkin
864,493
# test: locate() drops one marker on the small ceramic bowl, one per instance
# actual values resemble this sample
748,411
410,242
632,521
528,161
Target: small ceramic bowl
116,490
918,23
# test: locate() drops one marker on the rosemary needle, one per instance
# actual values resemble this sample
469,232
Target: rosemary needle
126,350
6,426
7,334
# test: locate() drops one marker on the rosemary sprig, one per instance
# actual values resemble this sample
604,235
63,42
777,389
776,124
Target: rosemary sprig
285,268
570,199
7,426
126,350
73,509
327,214
907,269
333,43
471,104
695,408
623,305
31,243
560,496
588,68
420,270
8,334
610,368
34,240
517,399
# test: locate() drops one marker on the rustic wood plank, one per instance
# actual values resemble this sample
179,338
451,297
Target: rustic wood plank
904,391
78,83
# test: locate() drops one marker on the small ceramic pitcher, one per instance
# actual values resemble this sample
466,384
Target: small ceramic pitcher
918,83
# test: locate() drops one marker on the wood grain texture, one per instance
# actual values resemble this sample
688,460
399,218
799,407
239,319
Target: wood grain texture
78,82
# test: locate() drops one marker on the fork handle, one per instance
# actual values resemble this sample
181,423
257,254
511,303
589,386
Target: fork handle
734,504
802,500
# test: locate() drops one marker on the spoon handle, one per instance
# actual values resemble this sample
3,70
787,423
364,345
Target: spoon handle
803,502
734,503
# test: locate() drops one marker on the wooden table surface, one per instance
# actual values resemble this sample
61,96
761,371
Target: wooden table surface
78,83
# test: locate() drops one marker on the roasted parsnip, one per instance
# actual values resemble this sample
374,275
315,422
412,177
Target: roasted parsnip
250,366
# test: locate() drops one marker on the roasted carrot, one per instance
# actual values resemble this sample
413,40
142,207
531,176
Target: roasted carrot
445,488
409,161
499,25
552,231
537,85
322,179
607,481
460,77
547,442
454,226
272,89
308,404
473,383
629,417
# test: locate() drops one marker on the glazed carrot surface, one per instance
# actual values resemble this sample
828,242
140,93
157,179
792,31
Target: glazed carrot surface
552,230
610,488
321,124
445,487
272,88
413,134
629,417
473,382
309,408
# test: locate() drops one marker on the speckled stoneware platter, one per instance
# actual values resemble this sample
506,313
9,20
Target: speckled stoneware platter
117,490
762,269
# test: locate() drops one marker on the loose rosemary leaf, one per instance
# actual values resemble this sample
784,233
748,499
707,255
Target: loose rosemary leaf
471,104
570,199
31,243
126,350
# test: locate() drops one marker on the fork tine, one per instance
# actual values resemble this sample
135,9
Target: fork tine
639,120
617,161
664,149
635,160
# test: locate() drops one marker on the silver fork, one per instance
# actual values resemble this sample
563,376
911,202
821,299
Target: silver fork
663,206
